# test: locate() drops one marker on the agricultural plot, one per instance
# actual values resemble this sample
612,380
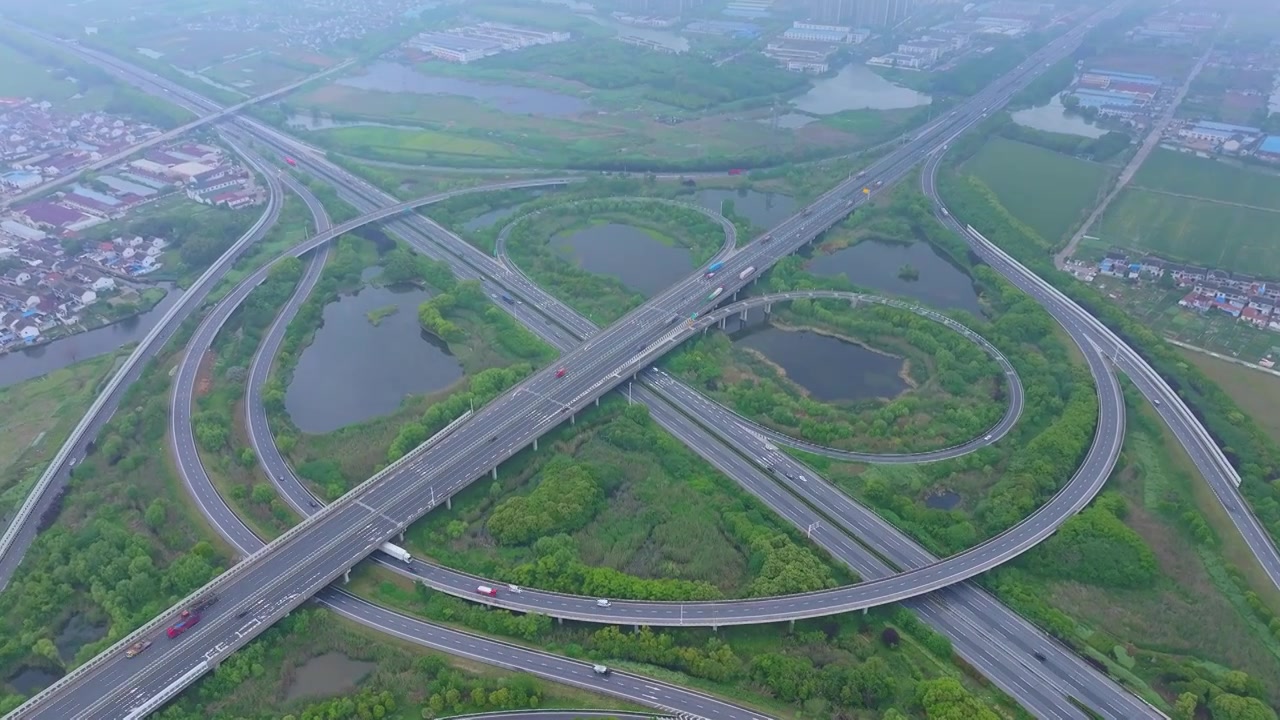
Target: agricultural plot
1184,174
1048,191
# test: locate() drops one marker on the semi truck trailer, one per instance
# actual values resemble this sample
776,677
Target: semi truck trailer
396,552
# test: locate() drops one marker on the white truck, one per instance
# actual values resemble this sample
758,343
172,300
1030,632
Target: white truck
396,552
746,273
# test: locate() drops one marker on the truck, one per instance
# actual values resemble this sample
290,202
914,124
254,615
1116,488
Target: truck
715,266
715,293
508,299
203,603
291,161
806,211
746,273
137,648
486,590
396,552
183,625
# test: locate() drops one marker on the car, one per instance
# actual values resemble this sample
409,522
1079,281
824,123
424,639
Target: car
564,408
241,614
313,504
1040,656
493,439
987,437
603,602
486,590
515,589
560,373
1158,403
137,648
600,670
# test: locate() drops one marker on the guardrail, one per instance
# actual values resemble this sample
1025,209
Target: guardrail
77,434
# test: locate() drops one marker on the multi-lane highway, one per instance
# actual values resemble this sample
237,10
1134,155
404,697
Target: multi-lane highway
611,347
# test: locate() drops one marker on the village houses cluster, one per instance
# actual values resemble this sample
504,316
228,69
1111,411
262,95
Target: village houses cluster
1247,298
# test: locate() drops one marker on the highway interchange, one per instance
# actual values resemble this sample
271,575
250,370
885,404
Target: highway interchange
620,351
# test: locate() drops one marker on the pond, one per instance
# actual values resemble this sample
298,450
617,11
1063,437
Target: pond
633,256
1053,117
327,675
31,680
942,500
875,265
396,78
355,370
78,632
763,209
857,87
28,363
830,369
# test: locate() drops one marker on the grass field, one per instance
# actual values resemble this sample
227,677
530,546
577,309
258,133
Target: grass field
408,145
1047,191
1186,174
23,77
1194,231
1194,613
38,415
1257,393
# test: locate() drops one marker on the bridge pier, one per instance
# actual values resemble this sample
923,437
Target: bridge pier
494,472
768,308
573,418
401,536
448,503
721,323
704,332
597,401
346,576
560,620
742,317
535,444
792,624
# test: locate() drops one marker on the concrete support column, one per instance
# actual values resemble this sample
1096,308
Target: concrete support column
535,444
721,323
448,503
742,317
597,401
560,620
346,576
792,624
494,472
768,308
573,418
864,610
704,331
401,536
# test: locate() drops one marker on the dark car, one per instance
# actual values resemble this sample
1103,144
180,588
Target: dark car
1040,656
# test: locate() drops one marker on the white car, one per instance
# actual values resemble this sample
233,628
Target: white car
515,589
602,602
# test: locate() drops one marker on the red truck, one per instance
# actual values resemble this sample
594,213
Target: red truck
183,625
291,161
735,171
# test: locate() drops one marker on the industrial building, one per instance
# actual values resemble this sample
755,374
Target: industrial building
861,13
473,42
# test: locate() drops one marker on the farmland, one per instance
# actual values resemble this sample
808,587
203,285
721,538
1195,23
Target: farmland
1203,232
1183,174
1048,191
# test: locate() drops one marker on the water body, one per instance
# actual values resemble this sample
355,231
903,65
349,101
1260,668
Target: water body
327,675
942,500
874,265
629,254
763,209
20,365
300,121
830,369
354,371
396,78
31,680
78,632
1053,117
856,87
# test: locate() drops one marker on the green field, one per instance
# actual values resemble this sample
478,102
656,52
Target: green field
23,77
1186,174
409,145
1048,191
1194,231
1257,393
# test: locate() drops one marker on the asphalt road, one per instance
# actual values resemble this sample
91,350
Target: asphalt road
612,351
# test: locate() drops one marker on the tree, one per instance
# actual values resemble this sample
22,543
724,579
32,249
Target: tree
1226,706
890,637
1185,708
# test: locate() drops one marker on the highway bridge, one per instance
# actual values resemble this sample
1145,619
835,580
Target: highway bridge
830,220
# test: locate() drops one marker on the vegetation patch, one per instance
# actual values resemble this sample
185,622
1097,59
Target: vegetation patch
613,506
1185,174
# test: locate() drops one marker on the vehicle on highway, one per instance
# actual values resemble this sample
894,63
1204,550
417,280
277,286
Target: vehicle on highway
715,293
735,171
493,439
879,183
203,603
508,299
291,161
515,589
713,267
806,211
560,373
1040,656
674,319
183,625
1158,403
136,648
396,552
486,590
746,273
944,212
602,602
601,670
241,614
766,238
